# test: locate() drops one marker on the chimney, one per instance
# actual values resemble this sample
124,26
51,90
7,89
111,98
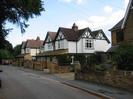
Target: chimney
75,27
38,38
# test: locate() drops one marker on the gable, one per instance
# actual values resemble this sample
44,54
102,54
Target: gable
60,36
100,36
129,8
87,34
48,39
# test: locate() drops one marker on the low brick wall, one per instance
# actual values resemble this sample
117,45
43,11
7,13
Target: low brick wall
35,65
120,79
39,65
54,68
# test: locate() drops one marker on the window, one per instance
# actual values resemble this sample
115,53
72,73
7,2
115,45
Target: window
28,50
49,45
88,44
119,36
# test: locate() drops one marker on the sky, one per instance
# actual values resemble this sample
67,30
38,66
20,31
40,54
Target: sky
95,14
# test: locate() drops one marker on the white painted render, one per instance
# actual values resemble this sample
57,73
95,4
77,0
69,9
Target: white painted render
22,51
31,51
72,47
60,42
99,44
34,52
48,45
63,44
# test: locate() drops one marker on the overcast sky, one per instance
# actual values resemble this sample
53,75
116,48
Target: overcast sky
95,14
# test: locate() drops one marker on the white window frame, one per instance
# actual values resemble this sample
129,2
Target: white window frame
89,44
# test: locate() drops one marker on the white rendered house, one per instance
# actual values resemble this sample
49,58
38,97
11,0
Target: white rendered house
81,41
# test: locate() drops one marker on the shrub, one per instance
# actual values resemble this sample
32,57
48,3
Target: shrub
123,56
64,60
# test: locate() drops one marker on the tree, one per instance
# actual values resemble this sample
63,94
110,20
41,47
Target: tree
123,56
5,54
17,12
17,50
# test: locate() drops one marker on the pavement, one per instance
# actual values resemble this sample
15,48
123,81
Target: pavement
103,91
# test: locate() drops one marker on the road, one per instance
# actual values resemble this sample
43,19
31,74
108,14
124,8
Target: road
20,84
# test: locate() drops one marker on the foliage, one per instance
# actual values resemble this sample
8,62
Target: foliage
17,12
64,60
99,67
17,50
124,56
88,61
5,54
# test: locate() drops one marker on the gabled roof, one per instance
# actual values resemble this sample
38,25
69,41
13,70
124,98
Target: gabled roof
32,43
52,35
96,32
70,34
117,26
129,8
120,25
23,44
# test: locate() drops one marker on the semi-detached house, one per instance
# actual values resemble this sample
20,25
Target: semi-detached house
70,41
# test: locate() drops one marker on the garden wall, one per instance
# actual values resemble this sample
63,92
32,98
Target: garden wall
120,79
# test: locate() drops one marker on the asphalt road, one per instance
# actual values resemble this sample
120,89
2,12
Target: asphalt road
19,84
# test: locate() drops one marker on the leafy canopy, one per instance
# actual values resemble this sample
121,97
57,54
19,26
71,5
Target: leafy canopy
17,12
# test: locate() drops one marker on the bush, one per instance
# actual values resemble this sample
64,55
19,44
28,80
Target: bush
88,62
63,60
123,56
5,54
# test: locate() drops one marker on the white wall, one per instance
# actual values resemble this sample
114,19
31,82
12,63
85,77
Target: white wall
101,45
33,52
89,50
64,44
46,48
80,46
22,51
72,47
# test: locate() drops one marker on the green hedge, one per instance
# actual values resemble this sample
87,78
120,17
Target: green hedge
123,56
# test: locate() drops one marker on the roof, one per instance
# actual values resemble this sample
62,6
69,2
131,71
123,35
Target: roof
31,43
117,26
23,44
70,34
96,32
53,53
129,7
121,23
34,43
52,35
